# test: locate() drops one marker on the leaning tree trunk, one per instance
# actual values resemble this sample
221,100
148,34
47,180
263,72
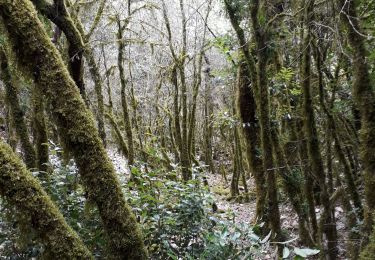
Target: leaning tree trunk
76,125
59,15
24,193
98,83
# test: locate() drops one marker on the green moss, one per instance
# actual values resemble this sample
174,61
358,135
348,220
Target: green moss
16,112
369,252
246,108
220,190
40,129
124,103
76,126
97,79
364,96
23,191
58,14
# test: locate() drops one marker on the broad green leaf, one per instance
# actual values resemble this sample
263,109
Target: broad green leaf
286,252
305,252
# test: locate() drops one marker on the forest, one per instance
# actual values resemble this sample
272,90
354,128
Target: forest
187,129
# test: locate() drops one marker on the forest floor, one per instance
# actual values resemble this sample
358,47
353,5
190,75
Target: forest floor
244,212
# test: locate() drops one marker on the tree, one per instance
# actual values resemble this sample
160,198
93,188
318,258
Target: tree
12,95
25,194
76,126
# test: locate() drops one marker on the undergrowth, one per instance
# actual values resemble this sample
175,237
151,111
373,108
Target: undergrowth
177,218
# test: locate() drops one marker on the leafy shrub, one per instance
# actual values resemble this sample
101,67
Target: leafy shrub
178,221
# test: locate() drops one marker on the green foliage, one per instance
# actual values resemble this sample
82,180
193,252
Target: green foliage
177,218
178,221
225,45
226,120
285,86
64,187
290,252
285,74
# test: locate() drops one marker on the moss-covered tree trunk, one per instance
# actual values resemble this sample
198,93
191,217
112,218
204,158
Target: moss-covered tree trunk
308,178
185,156
234,190
292,186
247,111
261,35
208,124
197,82
246,87
176,114
124,102
352,189
364,97
76,125
98,85
116,128
40,129
77,49
59,15
313,146
24,193
17,115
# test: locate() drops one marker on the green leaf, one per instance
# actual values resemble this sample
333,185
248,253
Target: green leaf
286,252
236,235
266,238
305,252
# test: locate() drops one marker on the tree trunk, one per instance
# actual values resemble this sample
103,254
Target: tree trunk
59,15
40,128
364,98
247,77
124,103
17,114
262,100
76,125
313,147
23,191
